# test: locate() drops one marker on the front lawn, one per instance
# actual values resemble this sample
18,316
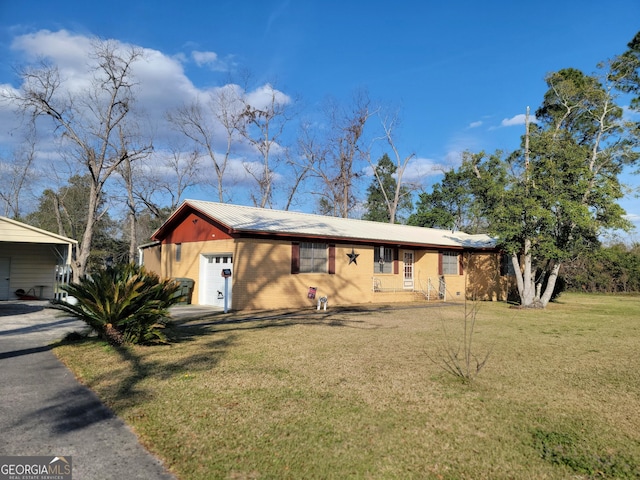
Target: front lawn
360,393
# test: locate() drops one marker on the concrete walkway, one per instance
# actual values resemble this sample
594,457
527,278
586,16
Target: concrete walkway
45,411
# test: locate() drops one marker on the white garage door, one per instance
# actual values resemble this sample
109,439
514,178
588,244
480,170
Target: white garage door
212,283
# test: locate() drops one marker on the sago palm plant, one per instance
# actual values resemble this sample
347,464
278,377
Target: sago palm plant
124,303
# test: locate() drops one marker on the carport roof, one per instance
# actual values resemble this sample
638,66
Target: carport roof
18,232
243,219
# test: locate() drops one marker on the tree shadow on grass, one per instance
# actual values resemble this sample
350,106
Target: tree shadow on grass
342,316
142,365
130,391
223,329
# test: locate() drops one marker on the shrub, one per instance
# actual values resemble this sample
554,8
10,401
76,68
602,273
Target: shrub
123,304
457,354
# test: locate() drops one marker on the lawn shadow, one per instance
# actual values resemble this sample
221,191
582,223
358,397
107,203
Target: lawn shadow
140,364
341,316
223,329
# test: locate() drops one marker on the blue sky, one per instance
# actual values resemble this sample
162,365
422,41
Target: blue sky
460,73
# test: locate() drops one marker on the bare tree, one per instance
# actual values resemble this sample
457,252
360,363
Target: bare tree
394,198
167,178
213,125
153,188
92,121
264,121
333,159
128,172
16,174
302,165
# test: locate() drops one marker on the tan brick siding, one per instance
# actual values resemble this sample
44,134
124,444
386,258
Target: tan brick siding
262,276
485,281
151,258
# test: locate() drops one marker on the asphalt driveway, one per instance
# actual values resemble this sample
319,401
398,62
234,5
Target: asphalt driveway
45,411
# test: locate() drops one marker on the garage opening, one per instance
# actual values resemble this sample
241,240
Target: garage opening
212,283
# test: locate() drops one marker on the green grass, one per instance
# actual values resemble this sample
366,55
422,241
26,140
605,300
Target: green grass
354,393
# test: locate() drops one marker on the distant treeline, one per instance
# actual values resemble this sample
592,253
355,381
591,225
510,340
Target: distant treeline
611,269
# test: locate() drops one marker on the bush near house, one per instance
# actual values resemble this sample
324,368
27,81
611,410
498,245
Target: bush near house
123,304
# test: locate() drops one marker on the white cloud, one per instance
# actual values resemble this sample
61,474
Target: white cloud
263,96
161,84
7,117
161,81
516,120
204,58
417,171
475,124
181,57
66,49
211,60
425,167
519,119
453,158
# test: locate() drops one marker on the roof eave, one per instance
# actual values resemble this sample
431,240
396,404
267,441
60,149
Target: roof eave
159,234
62,240
344,239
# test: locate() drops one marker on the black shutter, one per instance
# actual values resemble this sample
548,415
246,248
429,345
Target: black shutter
295,257
332,259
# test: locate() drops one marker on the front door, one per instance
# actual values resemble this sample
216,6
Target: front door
214,288
5,268
408,270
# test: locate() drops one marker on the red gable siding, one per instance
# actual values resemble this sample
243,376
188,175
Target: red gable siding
195,228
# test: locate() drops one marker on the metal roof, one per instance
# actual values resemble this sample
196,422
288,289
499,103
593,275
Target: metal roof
278,222
18,232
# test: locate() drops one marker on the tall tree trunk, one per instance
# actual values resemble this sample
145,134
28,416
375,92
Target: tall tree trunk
56,209
551,283
525,278
84,250
132,235
127,174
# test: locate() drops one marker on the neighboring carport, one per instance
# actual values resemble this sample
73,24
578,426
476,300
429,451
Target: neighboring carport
32,261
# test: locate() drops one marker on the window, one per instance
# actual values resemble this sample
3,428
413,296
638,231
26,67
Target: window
506,265
219,259
449,263
178,251
313,257
383,260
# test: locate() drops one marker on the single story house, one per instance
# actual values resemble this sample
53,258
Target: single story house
33,262
279,259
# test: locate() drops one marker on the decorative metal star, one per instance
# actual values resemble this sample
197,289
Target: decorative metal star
353,257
